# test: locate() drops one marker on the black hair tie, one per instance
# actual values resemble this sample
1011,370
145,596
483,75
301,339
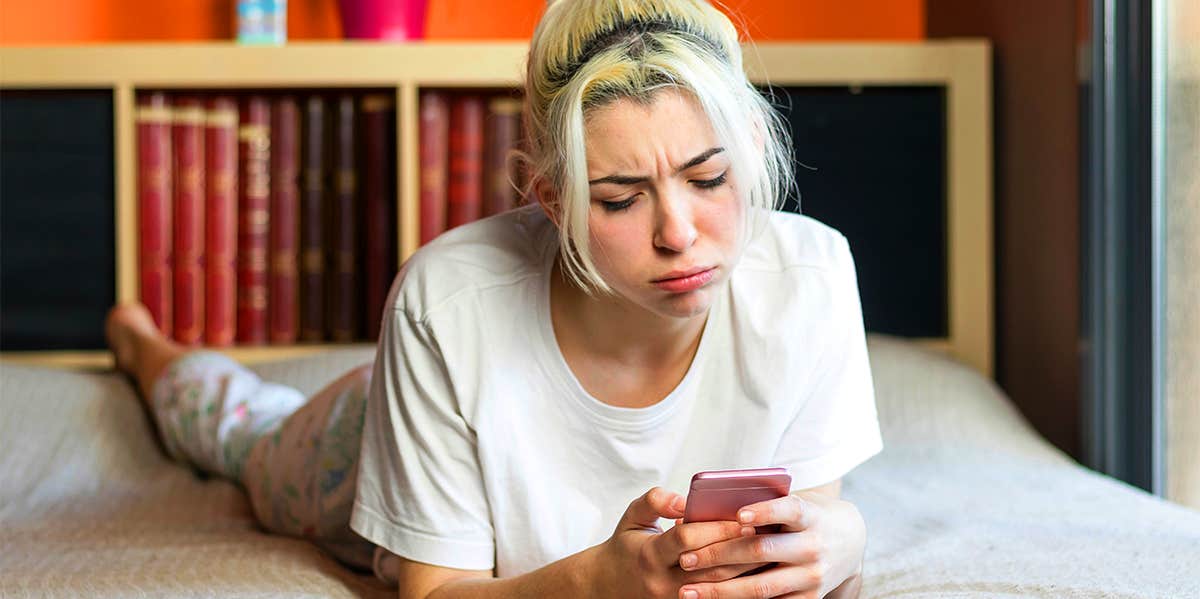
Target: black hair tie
633,30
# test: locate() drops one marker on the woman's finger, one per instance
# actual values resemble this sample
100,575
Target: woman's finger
695,535
717,574
791,511
774,582
644,512
787,547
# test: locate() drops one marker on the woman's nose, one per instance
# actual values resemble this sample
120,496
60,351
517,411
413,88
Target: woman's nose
674,231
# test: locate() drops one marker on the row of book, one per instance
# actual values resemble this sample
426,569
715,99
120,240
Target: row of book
270,218
266,217
467,161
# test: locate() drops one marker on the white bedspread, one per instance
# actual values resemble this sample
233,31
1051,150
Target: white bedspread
965,500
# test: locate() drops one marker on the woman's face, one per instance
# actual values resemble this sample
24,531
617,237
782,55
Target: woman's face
664,218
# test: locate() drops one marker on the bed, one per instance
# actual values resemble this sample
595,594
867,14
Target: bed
965,500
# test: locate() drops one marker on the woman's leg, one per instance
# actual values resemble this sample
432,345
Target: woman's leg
297,458
208,409
302,477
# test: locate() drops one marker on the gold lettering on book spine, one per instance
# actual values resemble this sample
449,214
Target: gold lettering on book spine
221,183
345,181
191,179
345,262
192,332
254,298
160,115
499,180
505,106
190,115
377,103
254,259
283,264
254,134
256,222
222,118
257,146
158,179
312,180
217,260
312,261
433,178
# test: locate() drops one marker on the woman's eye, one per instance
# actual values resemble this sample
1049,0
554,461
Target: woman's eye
717,181
617,206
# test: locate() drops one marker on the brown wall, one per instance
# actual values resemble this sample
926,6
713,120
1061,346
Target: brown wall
1037,200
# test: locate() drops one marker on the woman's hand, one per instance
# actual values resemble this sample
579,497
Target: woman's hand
820,545
640,560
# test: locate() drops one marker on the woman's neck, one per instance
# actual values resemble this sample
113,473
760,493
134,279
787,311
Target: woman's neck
616,331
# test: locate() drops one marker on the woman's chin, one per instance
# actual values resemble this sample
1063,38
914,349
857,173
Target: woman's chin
685,305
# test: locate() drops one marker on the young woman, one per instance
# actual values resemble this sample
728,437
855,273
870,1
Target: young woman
548,380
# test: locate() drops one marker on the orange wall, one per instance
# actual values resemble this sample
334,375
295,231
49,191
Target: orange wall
24,22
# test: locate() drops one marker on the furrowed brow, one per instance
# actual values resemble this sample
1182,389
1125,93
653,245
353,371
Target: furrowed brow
632,180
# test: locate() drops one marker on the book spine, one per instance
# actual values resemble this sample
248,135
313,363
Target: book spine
188,137
254,162
312,221
342,268
464,201
284,280
500,137
153,118
220,241
434,148
379,199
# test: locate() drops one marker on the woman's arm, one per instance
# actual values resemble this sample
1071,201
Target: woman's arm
637,561
567,577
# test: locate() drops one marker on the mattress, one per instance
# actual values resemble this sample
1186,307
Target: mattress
965,500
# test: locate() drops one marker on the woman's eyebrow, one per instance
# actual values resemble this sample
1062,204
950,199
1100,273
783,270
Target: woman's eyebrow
631,180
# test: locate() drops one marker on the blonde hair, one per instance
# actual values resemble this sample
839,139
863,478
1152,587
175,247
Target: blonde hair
588,53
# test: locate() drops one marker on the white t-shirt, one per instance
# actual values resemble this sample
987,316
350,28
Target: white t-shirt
481,449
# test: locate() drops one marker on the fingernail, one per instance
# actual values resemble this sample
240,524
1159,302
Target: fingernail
690,594
679,503
687,560
748,531
746,516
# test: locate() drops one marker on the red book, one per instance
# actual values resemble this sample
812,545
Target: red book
220,241
501,137
188,134
464,195
254,220
434,142
379,201
155,201
342,281
312,221
285,196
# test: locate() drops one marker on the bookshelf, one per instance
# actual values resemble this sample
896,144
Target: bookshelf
961,66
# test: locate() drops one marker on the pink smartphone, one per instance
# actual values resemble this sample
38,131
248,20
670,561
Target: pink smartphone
719,494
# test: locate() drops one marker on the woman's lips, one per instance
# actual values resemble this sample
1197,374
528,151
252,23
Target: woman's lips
686,283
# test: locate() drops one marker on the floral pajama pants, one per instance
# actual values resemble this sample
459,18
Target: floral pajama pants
296,457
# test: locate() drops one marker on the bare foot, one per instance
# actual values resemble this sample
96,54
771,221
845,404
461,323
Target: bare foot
139,348
122,328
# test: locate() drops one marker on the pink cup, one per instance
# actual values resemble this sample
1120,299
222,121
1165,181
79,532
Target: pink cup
383,19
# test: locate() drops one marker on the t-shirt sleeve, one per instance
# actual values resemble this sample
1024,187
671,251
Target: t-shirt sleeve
836,427
420,489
